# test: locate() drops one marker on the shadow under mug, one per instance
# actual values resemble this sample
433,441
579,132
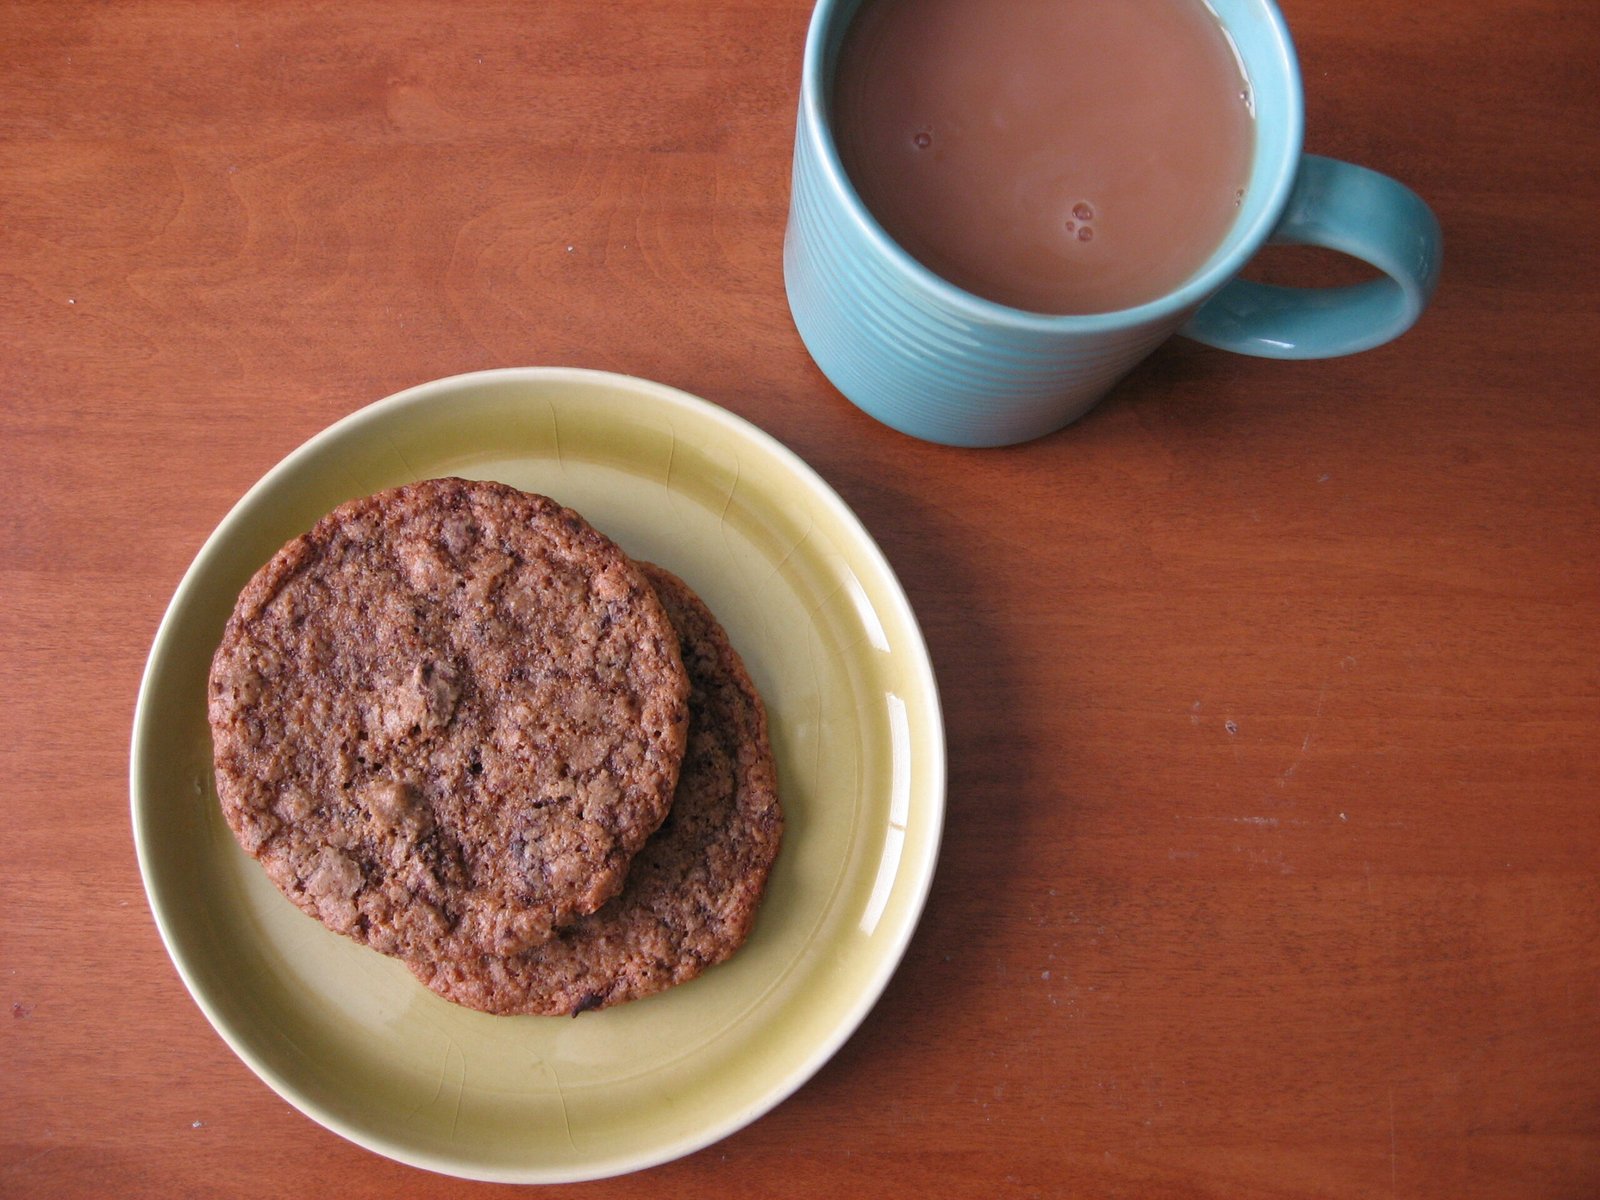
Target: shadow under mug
939,363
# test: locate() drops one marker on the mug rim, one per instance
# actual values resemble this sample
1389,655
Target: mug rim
1187,296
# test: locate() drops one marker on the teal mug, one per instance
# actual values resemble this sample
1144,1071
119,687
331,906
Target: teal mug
939,363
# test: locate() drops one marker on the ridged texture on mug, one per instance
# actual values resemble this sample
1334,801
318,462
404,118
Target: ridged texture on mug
922,356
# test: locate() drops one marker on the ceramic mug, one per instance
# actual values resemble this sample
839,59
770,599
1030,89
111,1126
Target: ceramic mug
940,363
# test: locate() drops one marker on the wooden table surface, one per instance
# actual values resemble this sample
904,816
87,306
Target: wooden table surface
1272,690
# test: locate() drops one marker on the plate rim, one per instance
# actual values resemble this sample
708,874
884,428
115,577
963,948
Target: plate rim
887,963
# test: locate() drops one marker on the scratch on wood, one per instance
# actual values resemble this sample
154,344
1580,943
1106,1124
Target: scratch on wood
1305,742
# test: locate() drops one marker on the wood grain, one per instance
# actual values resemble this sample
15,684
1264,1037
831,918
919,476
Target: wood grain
1272,866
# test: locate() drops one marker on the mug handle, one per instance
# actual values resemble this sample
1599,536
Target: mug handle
1355,211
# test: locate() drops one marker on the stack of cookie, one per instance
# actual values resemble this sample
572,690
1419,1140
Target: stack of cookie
458,724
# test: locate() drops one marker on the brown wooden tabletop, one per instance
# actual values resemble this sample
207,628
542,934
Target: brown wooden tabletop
1272,690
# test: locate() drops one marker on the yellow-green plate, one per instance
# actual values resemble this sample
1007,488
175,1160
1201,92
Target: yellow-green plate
348,1036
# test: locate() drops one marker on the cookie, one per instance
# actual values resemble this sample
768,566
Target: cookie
446,718
692,892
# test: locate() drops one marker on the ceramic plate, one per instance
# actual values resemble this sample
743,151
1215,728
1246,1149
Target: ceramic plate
348,1036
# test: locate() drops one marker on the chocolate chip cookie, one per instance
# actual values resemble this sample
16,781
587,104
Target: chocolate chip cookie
447,718
692,892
